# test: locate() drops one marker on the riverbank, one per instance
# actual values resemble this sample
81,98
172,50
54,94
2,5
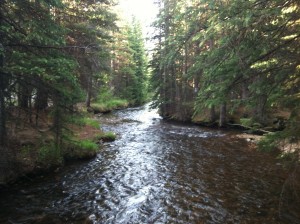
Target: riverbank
225,159
33,151
164,171
34,145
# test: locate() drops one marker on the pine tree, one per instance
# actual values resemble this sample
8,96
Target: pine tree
236,54
136,45
91,25
129,64
171,61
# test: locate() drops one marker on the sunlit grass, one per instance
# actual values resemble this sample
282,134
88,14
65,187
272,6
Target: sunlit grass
109,105
106,102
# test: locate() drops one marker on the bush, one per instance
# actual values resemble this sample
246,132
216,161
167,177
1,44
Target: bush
283,141
269,142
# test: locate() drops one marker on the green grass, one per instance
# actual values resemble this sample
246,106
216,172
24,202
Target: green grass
117,103
91,122
106,102
100,107
82,149
82,121
49,155
88,145
109,105
108,136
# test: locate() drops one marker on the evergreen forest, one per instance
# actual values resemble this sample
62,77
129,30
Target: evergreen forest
219,63
230,63
59,59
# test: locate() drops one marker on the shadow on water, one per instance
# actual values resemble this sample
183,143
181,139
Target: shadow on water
155,172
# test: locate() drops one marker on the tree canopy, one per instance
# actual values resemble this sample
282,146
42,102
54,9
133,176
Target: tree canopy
55,54
238,59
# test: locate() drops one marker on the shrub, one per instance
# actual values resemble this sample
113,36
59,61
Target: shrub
269,142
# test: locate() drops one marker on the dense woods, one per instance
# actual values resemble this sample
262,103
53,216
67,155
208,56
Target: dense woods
56,54
129,64
214,63
217,63
229,62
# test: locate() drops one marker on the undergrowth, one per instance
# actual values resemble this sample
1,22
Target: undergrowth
106,102
84,120
287,142
50,155
80,149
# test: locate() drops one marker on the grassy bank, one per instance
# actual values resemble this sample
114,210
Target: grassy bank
108,106
34,151
107,102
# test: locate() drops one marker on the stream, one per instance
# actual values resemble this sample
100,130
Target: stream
155,172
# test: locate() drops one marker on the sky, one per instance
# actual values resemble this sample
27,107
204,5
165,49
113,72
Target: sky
144,10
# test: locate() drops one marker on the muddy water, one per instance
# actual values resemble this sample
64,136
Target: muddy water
155,172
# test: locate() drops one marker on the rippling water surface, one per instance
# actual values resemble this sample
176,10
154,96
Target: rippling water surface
155,172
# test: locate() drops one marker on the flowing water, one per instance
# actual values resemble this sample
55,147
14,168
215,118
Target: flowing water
155,172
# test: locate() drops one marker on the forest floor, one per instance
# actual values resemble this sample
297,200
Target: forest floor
32,150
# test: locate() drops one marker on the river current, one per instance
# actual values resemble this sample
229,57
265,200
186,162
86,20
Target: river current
155,172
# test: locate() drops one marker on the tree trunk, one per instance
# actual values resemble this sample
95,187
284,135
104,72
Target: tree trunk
2,114
212,115
5,153
89,92
24,96
259,110
222,120
197,76
57,122
3,86
245,91
41,101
